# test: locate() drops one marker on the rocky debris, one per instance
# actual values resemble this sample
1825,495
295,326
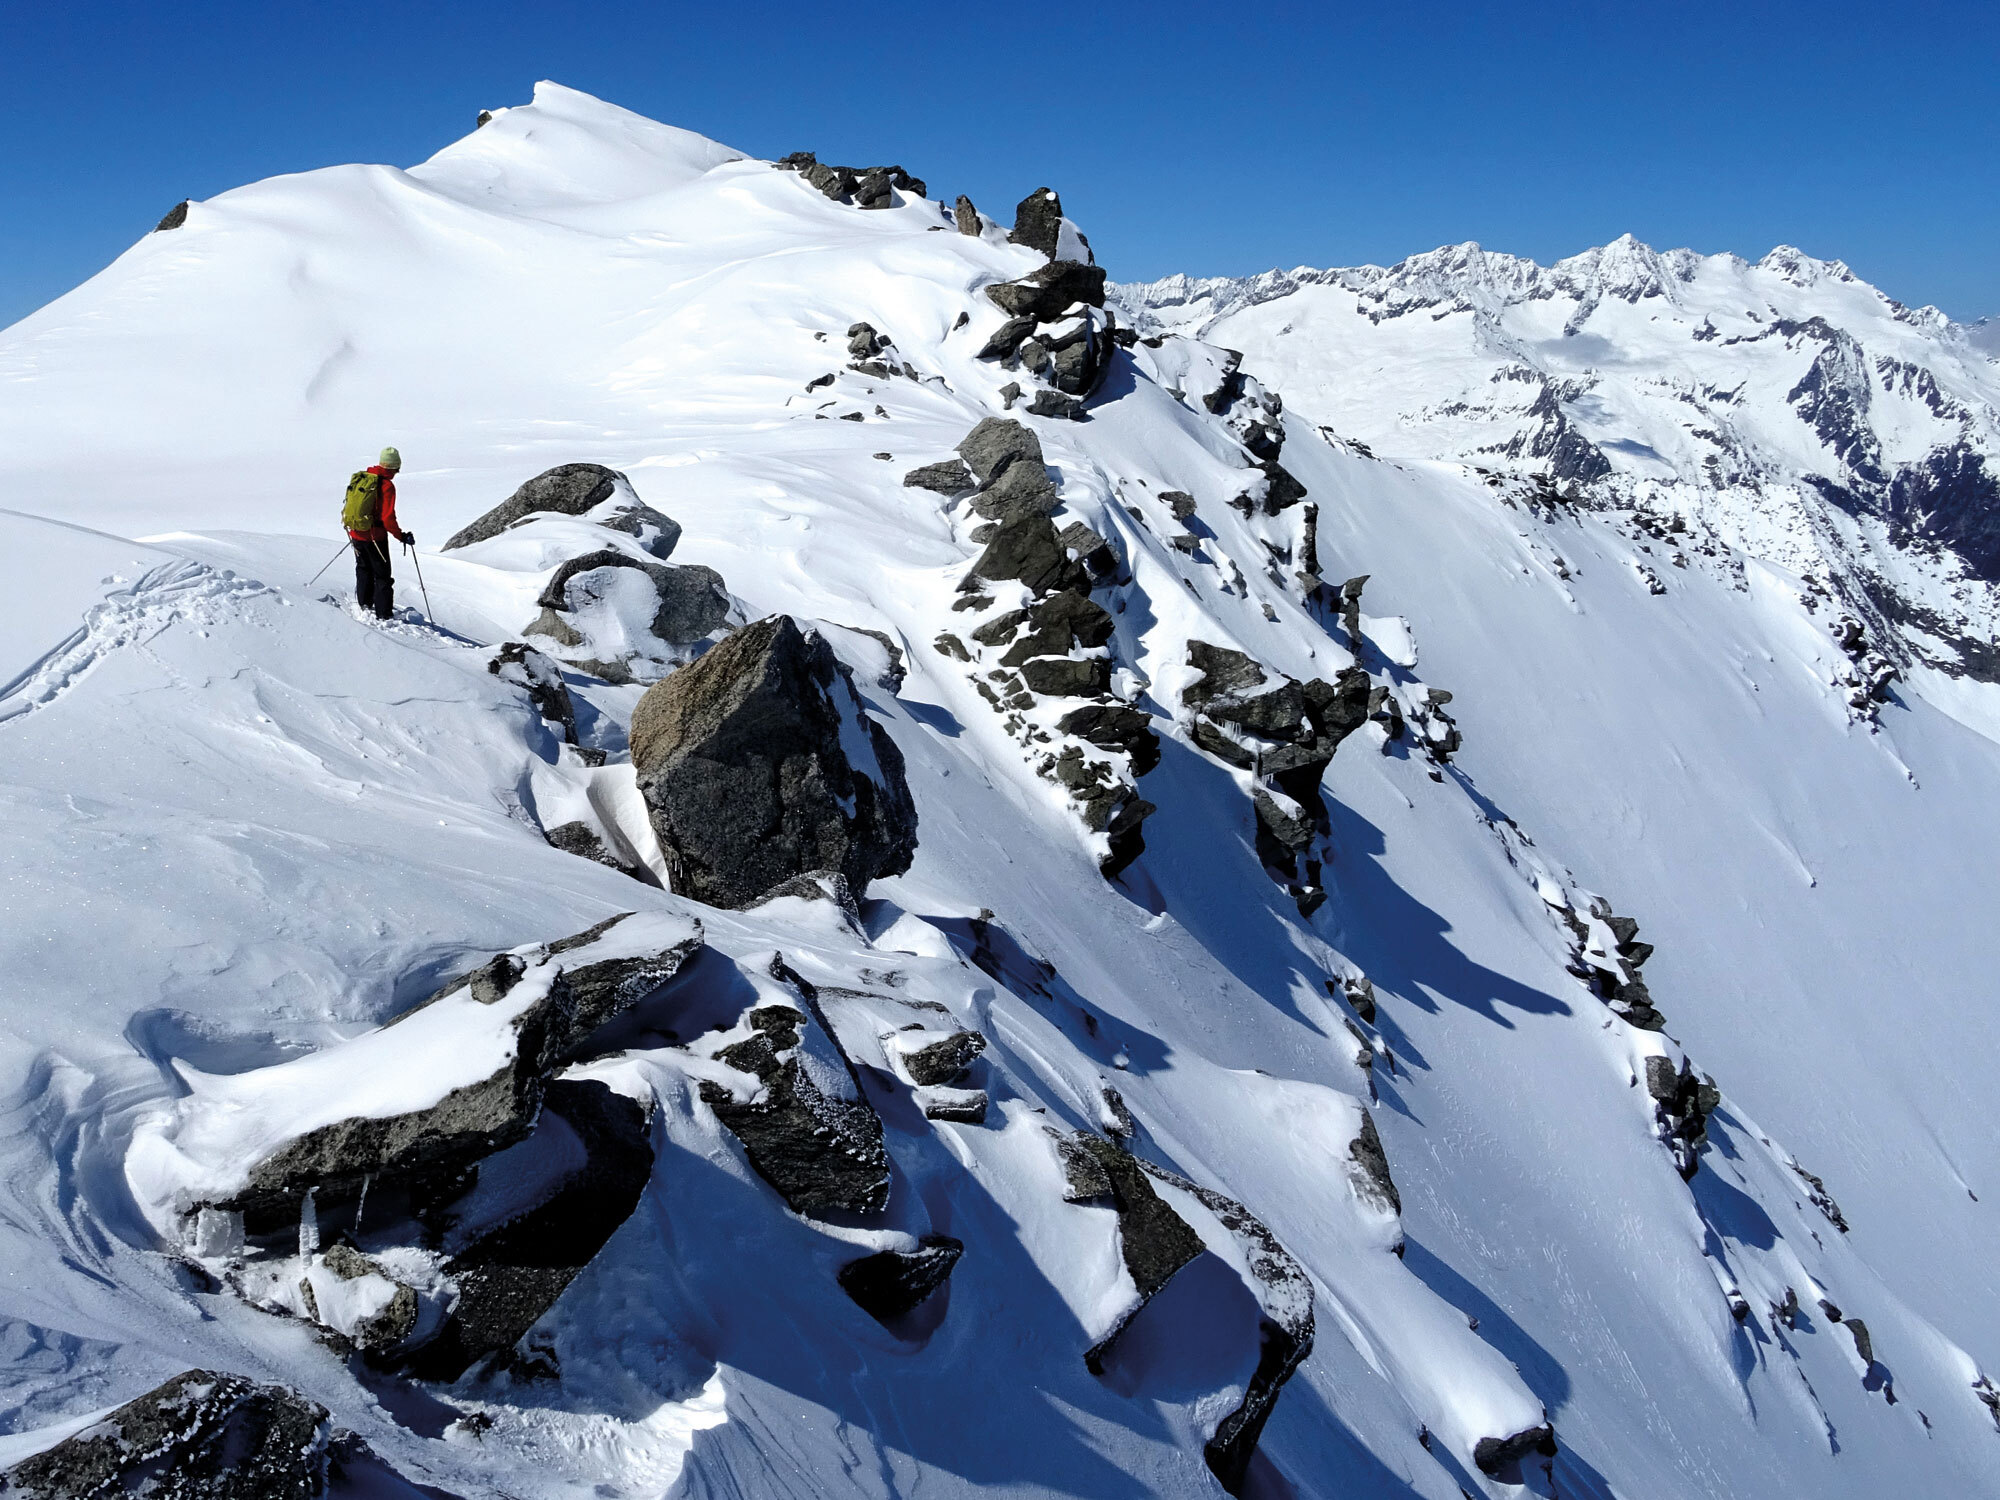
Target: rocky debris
1864,1344
1116,726
943,1061
1496,1456
1369,1169
427,1153
950,477
201,1436
1608,957
1179,502
1285,1293
1026,548
1072,356
524,667
1350,610
1285,733
508,1278
1038,222
1871,674
1360,992
566,490
1819,1197
1004,344
174,217
960,1106
758,763
966,217
1989,1397
1047,293
892,1283
373,1331
821,1153
864,187
1682,1102
1153,1240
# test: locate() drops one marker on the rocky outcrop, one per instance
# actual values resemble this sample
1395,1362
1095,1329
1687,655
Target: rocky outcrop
1046,294
1498,1456
893,1283
966,217
995,445
822,1153
1284,732
201,1436
863,187
1682,1102
1153,1241
566,490
758,763
426,1154
173,218
507,1278
939,1061
1607,957
949,477
1027,548
522,666
1284,1292
1038,222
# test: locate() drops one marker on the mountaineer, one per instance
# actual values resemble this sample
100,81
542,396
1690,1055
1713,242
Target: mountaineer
369,515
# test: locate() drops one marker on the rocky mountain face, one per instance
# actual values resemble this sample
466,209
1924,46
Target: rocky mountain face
1785,406
962,895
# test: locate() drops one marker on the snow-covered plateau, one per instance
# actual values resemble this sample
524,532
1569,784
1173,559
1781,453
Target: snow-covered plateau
957,879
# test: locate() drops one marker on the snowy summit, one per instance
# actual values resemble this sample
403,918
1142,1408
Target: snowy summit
959,878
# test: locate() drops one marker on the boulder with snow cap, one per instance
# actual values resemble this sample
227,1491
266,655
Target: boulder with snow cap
200,1436
1153,1240
758,764
485,1088
566,490
619,618
1047,293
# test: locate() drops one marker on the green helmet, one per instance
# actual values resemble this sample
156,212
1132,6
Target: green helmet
391,459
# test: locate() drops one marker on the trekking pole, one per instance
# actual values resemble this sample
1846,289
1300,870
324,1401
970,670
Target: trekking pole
327,564
418,562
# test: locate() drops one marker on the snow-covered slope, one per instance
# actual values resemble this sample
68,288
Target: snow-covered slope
245,829
1790,408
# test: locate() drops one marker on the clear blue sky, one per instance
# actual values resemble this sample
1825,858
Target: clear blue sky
1205,138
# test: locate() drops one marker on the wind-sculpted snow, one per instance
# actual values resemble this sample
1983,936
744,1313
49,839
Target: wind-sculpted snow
1412,1158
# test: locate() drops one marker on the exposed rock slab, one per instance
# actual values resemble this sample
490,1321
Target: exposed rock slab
200,1436
892,1283
567,489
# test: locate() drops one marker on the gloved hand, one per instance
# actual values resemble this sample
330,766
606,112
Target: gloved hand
409,539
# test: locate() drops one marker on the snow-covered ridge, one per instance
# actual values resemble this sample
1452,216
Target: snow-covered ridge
1783,403
1400,987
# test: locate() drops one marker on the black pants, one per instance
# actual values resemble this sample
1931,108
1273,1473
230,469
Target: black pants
374,587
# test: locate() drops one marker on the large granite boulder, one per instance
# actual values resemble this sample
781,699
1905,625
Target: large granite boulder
758,764
201,1436
566,490
996,444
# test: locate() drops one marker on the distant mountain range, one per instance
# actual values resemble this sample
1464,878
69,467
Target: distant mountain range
1813,420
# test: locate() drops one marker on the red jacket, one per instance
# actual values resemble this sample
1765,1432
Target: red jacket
388,526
